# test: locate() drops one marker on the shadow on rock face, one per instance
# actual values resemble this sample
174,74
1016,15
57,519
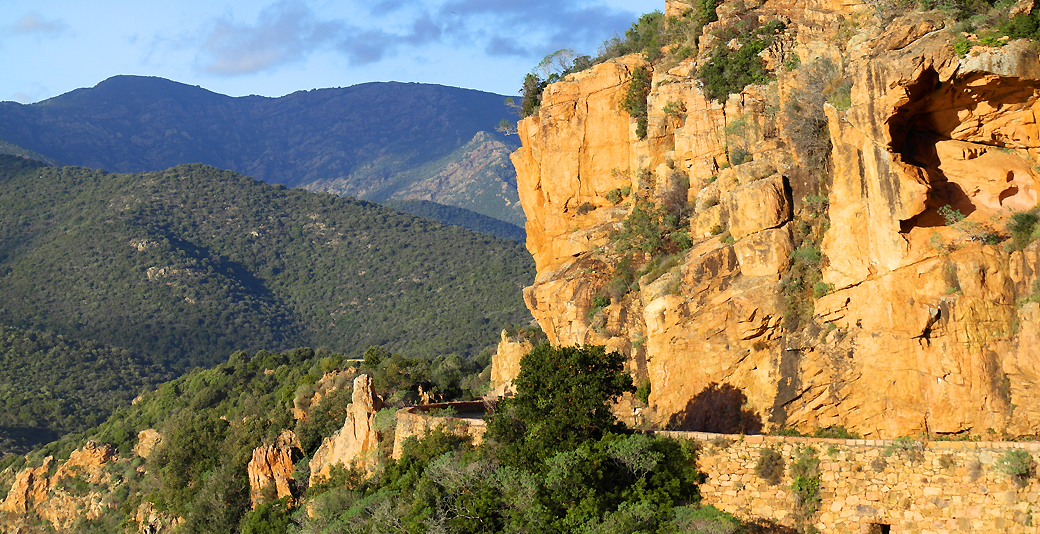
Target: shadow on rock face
718,408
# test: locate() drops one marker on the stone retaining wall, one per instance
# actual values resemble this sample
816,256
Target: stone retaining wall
875,485
417,421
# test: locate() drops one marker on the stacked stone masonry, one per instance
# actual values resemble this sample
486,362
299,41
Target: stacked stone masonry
417,421
912,487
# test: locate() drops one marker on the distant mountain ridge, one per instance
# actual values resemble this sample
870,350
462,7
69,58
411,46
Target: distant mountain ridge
452,216
375,141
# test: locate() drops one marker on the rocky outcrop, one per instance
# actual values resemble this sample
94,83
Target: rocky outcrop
328,384
30,485
151,521
76,490
270,470
77,487
914,326
146,441
505,365
357,443
580,117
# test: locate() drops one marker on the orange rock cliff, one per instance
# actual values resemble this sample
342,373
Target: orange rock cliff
912,324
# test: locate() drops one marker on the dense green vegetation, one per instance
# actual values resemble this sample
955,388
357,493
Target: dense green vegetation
634,102
365,141
653,235
182,265
212,419
453,216
544,468
540,469
112,282
1024,228
985,22
51,385
729,71
561,402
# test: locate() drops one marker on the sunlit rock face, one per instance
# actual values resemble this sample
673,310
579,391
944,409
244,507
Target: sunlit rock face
357,443
916,327
270,470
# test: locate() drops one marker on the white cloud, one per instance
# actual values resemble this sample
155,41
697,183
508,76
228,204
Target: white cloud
33,23
289,31
285,32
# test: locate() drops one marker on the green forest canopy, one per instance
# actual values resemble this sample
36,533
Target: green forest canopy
191,263
126,280
211,420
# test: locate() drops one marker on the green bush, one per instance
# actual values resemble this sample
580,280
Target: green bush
1023,26
770,466
653,31
675,109
562,400
648,228
706,520
268,518
598,303
805,482
729,71
1017,464
1024,228
647,36
643,391
841,97
807,254
835,432
634,100
908,447
821,288
738,156
970,230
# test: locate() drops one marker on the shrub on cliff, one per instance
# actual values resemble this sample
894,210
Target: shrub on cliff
730,71
634,101
1024,228
651,35
562,400
805,482
1025,26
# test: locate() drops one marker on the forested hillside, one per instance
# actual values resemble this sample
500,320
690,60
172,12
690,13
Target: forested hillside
554,458
51,385
185,265
366,141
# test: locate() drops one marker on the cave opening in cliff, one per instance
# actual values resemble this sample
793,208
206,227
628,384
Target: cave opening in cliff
914,138
961,136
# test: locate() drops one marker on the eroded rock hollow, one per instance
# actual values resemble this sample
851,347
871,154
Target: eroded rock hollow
914,320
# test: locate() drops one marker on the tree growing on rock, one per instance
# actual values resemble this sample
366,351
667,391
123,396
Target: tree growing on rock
563,399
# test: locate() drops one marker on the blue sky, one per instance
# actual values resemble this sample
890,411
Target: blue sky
273,48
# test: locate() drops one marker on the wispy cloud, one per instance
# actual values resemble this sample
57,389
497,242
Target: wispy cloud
537,26
285,32
34,24
289,31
